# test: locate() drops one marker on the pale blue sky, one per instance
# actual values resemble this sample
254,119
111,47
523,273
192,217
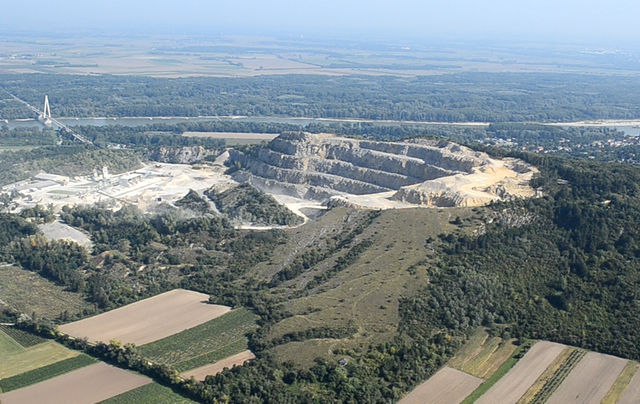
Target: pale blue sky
562,20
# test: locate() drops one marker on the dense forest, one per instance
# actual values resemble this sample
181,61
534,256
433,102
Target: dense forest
475,97
245,203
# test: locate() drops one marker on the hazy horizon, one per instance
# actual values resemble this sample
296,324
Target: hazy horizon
585,22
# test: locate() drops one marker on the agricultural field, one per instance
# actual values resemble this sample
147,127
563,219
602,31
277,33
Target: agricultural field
448,386
510,388
148,320
483,355
27,292
590,380
88,385
36,357
26,359
547,373
205,344
632,393
204,371
153,393
43,373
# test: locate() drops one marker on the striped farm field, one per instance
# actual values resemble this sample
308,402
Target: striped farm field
510,388
8,345
590,380
153,393
448,386
23,338
88,385
236,360
45,372
631,394
626,390
205,344
148,320
33,358
482,355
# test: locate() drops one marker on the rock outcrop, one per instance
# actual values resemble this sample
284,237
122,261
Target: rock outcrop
180,155
434,173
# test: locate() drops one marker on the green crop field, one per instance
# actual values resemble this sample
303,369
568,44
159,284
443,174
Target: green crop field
153,393
206,343
21,337
45,373
33,358
8,345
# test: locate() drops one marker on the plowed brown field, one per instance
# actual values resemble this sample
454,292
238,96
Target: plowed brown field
215,368
632,394
589,381
514,384
148,320
448,386
88,385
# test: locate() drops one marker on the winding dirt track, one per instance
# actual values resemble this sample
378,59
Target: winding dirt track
448,386
589,381
88,385
514,384
148,320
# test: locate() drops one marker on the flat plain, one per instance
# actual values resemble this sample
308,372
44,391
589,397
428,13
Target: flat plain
515,384
213,369
448,386
84,386
589,381
148,320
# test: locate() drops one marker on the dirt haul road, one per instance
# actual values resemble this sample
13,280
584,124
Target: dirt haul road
148,320
88,385
448,386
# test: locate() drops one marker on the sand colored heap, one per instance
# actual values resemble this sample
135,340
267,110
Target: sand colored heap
383,174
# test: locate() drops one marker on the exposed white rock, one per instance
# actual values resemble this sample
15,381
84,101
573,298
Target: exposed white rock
383,174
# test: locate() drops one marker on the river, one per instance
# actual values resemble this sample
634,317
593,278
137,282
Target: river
631,129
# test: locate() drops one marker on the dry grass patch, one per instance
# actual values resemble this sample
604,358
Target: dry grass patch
28,292
481,356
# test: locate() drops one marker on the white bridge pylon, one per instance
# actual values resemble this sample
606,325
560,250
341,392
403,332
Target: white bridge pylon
45,117
47,109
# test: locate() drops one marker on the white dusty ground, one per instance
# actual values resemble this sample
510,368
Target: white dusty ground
61,231
158,183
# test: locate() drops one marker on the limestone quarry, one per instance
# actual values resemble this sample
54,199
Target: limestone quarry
366,173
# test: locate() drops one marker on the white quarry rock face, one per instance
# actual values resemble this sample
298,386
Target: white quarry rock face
383,174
